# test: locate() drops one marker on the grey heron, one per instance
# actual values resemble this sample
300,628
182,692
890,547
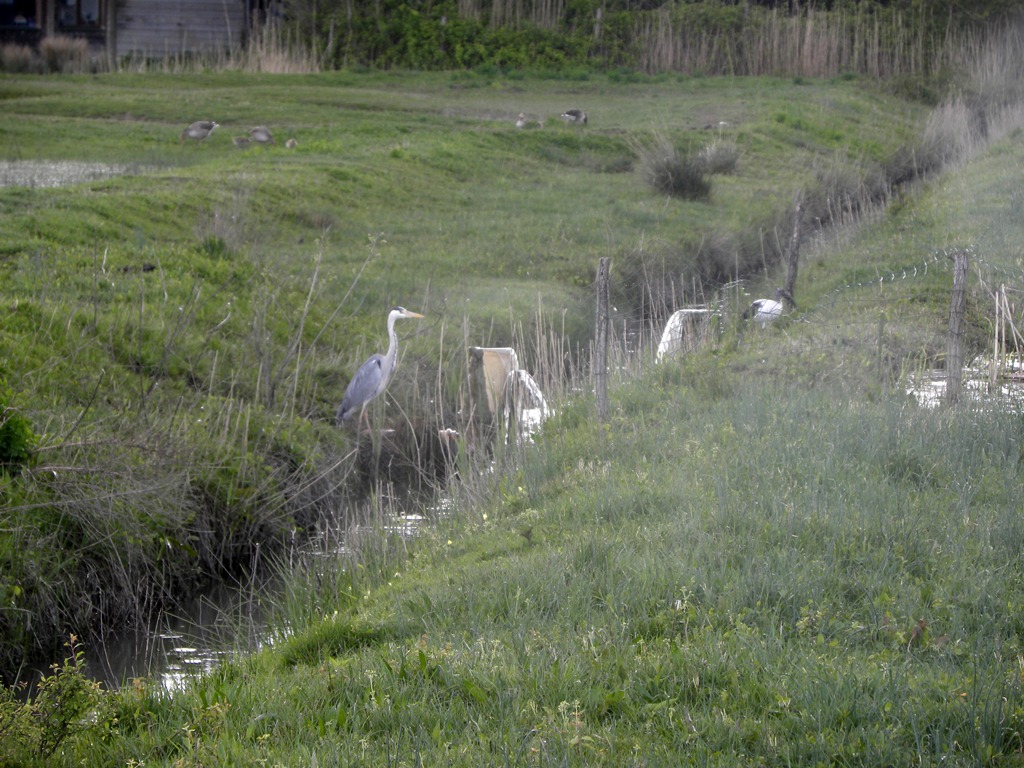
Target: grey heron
198,130
763,311
373,376
575,116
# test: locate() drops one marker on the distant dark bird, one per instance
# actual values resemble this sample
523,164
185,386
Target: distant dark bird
241,141
198,131
763,311
575,116
261,135
373,376
917,634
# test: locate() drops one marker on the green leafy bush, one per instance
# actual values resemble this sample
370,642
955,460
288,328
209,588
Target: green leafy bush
58,711
17,440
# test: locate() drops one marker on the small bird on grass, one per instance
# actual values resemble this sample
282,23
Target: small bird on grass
575,116
763,311
917,634
261,135
198,131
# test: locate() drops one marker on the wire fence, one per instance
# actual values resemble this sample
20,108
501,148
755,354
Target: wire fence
886,319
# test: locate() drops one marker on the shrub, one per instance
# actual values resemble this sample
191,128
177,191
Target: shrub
17,439
58,711
667,171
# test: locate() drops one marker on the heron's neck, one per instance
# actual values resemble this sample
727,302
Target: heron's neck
392,352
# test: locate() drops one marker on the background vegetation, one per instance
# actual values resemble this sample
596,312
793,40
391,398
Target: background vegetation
767,553
713,38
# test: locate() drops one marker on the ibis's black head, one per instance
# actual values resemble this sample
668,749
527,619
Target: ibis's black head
782,293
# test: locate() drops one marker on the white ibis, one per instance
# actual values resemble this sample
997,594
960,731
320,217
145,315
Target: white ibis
763,311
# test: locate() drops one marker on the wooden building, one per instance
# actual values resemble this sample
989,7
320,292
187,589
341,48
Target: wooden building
151,28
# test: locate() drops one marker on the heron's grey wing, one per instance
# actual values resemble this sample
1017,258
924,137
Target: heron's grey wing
362,388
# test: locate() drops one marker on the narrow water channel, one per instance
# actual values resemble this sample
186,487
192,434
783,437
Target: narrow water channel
232,619
228,619
225,619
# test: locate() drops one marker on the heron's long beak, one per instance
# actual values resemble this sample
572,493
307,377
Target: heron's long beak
410,313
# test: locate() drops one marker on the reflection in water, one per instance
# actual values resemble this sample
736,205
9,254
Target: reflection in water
929,387
225,620
228,619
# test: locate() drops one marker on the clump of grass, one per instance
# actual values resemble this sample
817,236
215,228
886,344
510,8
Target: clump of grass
270,49
65,55
954,131
19,59
669,172
718,157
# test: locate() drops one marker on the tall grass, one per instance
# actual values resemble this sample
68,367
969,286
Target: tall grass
880,43
769,575
269,48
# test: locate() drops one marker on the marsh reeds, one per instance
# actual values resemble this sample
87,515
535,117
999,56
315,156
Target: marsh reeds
812,43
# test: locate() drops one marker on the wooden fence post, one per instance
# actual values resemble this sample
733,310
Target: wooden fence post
601,337
954,339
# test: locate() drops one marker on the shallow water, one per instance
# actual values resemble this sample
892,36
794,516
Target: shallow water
929,388
227,619
222,621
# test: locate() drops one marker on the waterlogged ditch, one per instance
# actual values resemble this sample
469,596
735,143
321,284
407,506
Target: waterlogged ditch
238,618
229,619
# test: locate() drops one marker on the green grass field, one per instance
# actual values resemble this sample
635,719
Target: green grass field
731,570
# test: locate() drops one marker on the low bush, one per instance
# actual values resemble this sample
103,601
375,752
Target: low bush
62,708
17,440
669,172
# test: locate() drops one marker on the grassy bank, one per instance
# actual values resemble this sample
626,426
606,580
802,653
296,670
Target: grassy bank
732,567
763,558
206,305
